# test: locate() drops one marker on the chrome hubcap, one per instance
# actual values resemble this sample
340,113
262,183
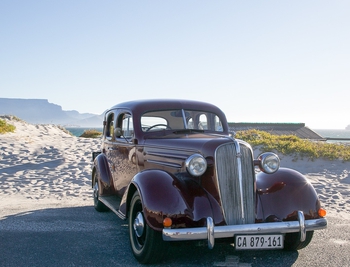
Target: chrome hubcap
139,224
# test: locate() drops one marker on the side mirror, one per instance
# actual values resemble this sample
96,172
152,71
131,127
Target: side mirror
118,132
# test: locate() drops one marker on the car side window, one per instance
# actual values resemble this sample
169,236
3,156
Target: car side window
125,126
110,126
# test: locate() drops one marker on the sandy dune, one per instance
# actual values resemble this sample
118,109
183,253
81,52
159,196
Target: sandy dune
41,165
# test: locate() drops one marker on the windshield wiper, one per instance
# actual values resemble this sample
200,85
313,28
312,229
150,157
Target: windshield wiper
183,131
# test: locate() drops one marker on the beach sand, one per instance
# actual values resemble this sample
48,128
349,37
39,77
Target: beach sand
42,166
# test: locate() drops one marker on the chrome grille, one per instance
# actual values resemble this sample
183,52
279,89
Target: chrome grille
237,197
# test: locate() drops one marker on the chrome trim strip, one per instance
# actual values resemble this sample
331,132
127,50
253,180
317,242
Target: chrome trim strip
168,164
167,155
201,233
240,177
301,220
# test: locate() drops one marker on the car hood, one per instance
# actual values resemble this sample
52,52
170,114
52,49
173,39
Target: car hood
202,143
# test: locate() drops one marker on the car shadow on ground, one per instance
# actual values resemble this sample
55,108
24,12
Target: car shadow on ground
80,236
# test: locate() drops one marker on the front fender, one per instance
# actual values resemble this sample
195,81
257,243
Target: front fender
103,174
283,193
181,199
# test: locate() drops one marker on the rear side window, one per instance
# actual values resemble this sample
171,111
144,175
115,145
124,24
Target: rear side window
127,126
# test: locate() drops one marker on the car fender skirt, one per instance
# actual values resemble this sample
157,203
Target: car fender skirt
103,172
283,193
164,195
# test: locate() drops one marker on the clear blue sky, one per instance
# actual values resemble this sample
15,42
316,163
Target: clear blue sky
259,61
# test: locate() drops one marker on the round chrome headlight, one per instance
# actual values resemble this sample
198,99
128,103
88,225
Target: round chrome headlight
269,162
196,164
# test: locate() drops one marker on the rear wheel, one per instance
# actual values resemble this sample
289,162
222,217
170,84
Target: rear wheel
292,241
99,206
147,244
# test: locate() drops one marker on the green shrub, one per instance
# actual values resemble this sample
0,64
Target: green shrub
5,127
290,144
91,134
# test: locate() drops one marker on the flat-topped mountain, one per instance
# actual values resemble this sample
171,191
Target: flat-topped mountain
40,111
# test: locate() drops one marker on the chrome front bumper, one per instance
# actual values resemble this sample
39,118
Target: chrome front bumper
212,232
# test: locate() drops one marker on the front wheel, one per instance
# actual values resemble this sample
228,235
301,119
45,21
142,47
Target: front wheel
292,241
147,244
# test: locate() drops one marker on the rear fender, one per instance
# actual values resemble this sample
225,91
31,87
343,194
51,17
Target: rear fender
165,195
103,174
282,194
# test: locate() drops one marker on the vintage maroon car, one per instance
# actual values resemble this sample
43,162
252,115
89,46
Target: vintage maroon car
172,169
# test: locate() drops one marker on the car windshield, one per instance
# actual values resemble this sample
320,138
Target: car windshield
180,119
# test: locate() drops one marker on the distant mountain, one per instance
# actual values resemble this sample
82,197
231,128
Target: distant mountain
75,114
40,111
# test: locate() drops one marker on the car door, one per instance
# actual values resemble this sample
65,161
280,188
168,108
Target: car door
121,153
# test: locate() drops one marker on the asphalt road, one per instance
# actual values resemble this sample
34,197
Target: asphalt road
80,236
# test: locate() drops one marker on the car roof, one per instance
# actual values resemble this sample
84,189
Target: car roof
151,104
139,107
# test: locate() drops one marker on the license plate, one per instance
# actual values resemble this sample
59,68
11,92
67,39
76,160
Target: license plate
258,242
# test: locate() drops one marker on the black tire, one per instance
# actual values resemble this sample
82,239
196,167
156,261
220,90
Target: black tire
147,244
292,241
98,205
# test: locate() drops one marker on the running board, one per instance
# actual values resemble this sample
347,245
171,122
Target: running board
112,202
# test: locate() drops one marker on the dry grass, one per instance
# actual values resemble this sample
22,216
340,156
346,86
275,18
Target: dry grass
91,134
290,144
6,128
